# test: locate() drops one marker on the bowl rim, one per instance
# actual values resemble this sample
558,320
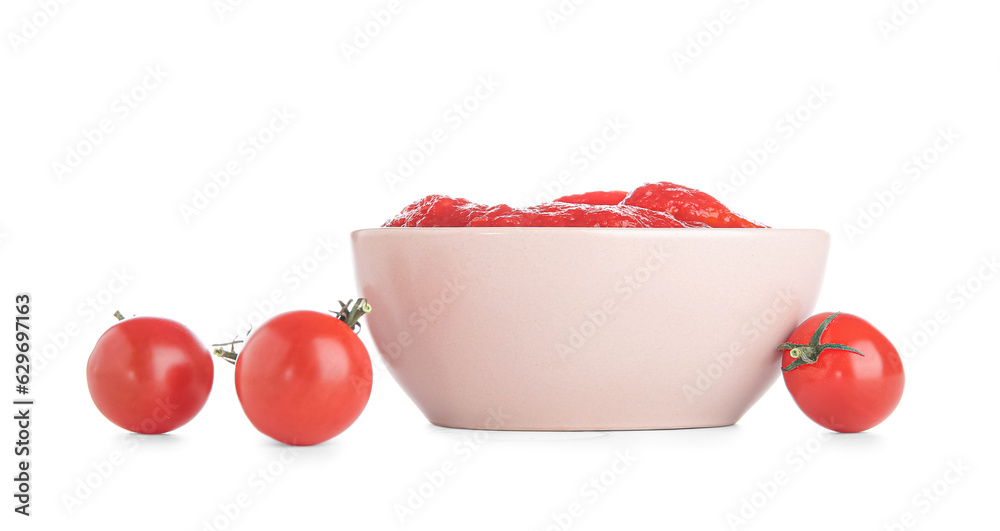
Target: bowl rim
598,230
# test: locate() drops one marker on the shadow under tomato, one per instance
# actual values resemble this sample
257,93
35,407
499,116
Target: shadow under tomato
324,451
863,440
159,440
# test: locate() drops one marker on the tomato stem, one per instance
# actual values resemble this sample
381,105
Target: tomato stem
118,314
350,315
808,354
228,355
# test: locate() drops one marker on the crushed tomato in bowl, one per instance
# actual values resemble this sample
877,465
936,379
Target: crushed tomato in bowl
654,205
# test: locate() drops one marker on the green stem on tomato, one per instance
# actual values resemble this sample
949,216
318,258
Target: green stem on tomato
231,354
809,354
228,355
351,316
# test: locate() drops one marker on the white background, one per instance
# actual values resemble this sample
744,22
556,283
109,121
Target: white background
892,89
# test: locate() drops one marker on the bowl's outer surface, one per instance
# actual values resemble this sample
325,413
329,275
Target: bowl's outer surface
586,329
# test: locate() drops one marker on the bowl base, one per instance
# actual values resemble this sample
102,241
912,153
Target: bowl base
461,426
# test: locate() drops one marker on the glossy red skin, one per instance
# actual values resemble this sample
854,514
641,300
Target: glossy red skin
149,375
437,211
844,391
594,198
303,377
686,204
571,215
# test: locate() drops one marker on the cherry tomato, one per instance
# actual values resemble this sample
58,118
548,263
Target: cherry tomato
842,372
303,377
149,375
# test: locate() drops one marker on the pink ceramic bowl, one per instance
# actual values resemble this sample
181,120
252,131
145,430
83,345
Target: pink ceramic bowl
529,328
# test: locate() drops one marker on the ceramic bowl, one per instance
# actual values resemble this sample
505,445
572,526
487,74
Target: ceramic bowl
533,328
